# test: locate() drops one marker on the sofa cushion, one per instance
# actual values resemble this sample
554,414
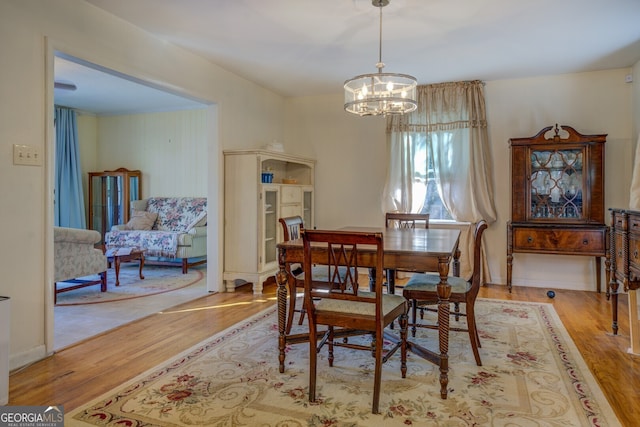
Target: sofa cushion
141,220
156,243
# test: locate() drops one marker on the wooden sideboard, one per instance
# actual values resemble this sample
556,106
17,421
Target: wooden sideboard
625,268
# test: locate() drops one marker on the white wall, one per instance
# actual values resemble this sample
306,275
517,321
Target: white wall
636,99
170,149
351,158
246,115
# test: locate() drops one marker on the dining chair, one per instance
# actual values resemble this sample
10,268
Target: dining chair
421,290
402,220
406,220
349,308
292,227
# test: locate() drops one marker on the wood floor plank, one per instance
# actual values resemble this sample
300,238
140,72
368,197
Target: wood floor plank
82,372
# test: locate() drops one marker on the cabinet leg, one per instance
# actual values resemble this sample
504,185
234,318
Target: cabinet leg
509,267
598,273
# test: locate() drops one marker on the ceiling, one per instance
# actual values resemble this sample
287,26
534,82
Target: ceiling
310,47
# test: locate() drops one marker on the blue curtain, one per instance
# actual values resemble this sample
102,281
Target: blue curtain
69,198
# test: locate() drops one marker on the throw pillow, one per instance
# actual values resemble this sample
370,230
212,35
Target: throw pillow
141,220
200,221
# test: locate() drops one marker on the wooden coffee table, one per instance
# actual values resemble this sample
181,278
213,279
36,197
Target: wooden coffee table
125,256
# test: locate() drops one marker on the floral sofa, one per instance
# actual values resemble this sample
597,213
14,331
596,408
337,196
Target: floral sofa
168,228
75,258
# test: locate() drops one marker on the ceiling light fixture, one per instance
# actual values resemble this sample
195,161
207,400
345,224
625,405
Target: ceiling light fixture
380,93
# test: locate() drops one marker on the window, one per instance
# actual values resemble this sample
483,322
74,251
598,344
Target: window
425,189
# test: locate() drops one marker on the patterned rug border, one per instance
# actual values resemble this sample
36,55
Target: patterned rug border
200,276
189,353
583,382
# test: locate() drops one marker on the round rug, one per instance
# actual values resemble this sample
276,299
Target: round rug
157,280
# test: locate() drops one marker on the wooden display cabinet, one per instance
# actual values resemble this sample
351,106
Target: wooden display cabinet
110,196
557,207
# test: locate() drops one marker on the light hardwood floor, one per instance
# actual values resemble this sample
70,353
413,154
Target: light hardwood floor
84,371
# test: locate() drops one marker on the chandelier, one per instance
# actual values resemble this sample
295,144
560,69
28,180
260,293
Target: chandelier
380,93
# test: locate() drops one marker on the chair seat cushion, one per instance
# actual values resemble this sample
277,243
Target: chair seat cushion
429,282
389,303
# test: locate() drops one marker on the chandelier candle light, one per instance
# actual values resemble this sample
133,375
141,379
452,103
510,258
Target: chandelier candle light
380,94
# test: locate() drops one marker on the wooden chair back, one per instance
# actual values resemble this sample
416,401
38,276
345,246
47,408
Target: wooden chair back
405,220
340,261
291,227
476,275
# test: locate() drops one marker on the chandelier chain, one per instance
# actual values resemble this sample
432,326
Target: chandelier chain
380,64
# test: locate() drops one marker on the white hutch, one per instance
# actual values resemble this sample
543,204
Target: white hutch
252,209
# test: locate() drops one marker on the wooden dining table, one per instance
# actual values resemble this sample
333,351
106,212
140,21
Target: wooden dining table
418,250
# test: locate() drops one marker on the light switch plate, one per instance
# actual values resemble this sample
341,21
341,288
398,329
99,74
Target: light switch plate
26,155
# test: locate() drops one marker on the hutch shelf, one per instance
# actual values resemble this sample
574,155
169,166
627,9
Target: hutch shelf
557,182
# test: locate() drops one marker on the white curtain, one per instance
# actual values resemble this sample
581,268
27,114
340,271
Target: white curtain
634,196
451,120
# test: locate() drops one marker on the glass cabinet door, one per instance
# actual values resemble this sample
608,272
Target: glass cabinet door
106,204
110,196
307,208
557,182
270,225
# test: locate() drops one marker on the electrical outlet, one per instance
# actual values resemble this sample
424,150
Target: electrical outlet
26,155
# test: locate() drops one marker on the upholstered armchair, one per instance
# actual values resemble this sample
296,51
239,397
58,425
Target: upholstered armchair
75,257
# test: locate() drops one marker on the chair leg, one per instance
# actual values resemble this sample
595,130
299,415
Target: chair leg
292,307
414,317
377,378
103,281
313,358
303,311
330,341
473,333
403,323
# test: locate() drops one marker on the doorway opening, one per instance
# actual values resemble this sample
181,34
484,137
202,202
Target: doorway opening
104,99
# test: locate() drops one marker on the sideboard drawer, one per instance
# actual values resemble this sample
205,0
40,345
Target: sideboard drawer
559,241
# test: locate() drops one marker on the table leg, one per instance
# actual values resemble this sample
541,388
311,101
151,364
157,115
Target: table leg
141,265
456,263
391,281
444,293
281,294
117,268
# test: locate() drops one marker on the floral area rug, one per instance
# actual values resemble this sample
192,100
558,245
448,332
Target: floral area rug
532,375
157,280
